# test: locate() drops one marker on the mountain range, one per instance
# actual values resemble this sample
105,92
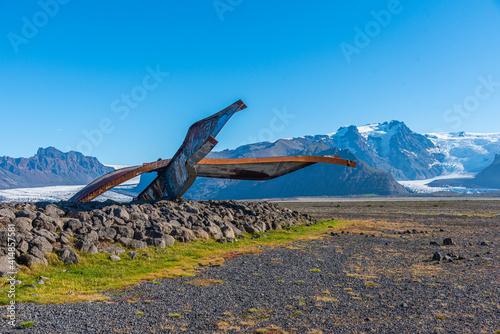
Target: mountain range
389,147
386,153
392,147
49,167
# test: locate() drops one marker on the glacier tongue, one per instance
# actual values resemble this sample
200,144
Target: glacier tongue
465,152
53,194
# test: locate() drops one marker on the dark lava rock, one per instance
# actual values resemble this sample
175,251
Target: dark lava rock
448,242
437,256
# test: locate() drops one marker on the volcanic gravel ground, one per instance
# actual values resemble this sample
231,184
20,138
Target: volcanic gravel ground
374,277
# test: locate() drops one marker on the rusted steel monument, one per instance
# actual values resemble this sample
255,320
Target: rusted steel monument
176,175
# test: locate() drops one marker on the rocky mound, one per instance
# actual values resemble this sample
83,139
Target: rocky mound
95,227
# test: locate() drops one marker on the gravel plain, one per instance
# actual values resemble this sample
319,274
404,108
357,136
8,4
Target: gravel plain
375,275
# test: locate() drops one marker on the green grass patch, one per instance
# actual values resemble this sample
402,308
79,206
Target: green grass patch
96,274
204,282
315,270
254,310
371,284
26,324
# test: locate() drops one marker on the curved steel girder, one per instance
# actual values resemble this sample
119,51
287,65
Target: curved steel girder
175,179
242,169
176,175
115,178
260,169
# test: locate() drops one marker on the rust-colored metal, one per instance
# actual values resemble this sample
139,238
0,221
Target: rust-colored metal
175,179
240,169
176,175
258,169
115,178
292,158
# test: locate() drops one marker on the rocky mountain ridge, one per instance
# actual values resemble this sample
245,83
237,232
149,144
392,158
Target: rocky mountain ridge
392,147
49,167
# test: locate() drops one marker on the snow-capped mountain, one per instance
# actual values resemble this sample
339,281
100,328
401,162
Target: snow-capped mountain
392,147
414,156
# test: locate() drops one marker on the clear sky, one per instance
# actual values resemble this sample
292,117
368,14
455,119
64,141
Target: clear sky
123,80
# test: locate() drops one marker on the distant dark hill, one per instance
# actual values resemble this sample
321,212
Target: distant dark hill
490,176
316,180
49,167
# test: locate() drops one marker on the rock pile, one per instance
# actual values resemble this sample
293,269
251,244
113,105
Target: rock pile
95,227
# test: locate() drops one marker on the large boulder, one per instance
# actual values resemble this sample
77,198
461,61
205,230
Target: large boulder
69,256
169,240
35,251
228,232
42,221
201,234
157,242
22,246
86,245
23,224
31,260
137,244
214,231
42,244
112,249
183,234
121,213
72,224
26,213
53,211
50,236
7,213
107,233
5,266
124,231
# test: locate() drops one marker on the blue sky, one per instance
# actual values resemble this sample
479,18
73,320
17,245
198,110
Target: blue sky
78,74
